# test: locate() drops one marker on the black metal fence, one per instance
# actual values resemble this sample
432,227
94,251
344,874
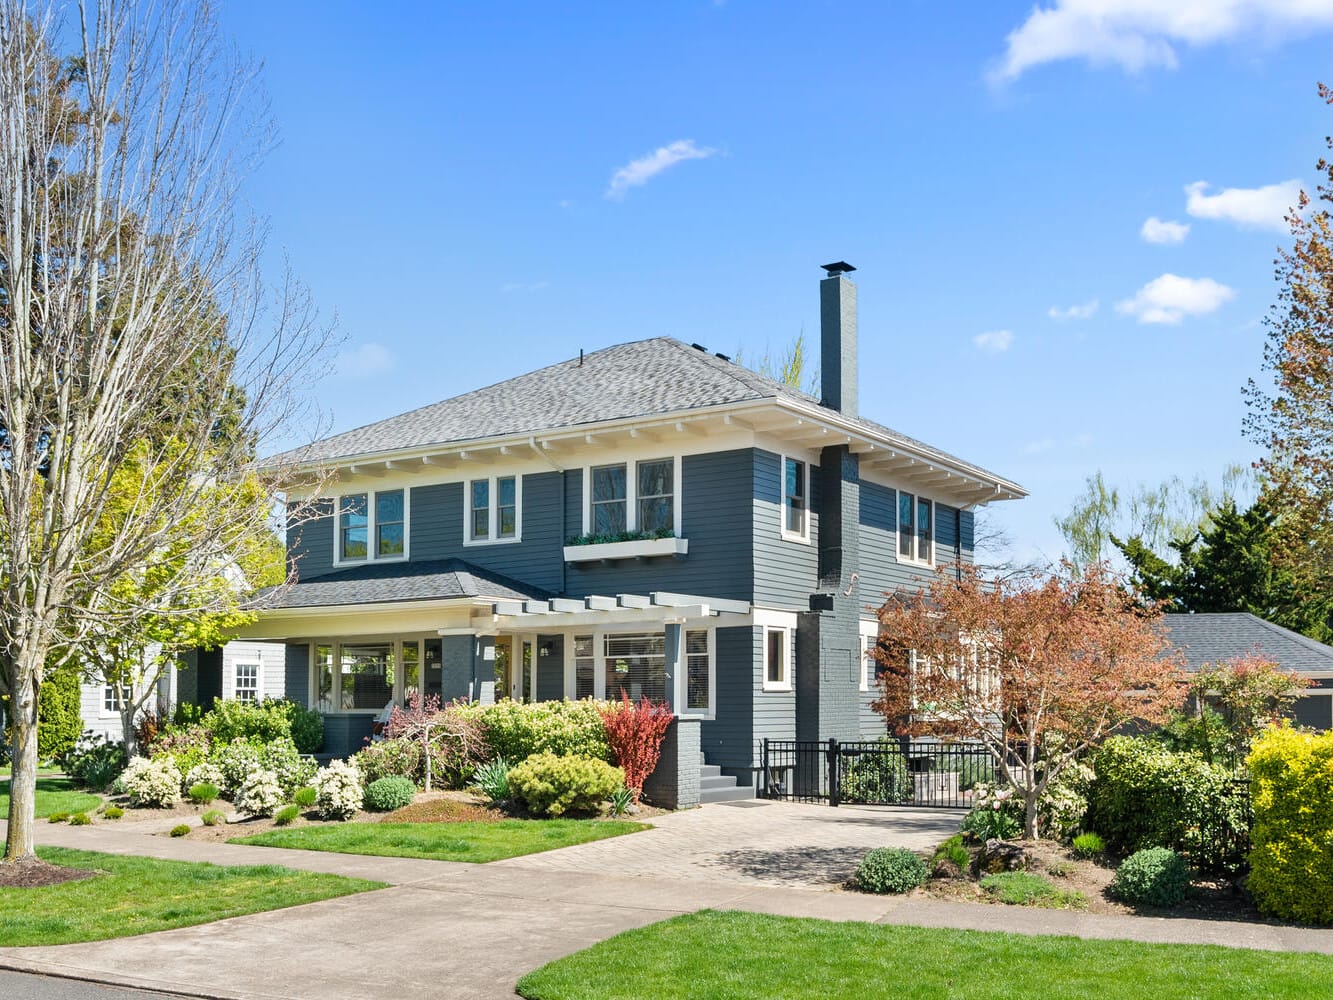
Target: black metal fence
883,772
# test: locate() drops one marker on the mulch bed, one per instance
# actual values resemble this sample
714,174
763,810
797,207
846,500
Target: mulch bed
33,873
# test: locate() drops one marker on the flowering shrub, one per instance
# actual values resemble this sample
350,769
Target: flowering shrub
206,773
635,734
291,769
1061,808
152,782
236,760
550,785
388,758
338,790
260,793
997,813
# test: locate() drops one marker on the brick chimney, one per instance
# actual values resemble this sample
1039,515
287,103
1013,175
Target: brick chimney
837,339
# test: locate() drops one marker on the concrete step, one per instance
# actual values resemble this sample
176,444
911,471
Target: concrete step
709,770
733,794
717,781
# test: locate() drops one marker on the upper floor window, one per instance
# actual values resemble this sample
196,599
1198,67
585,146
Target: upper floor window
609,501
493,510
795,499
633,497
916,528
657,495
381,516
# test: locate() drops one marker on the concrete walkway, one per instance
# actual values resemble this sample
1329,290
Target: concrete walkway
470,931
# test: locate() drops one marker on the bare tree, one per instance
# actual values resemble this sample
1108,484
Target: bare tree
142,361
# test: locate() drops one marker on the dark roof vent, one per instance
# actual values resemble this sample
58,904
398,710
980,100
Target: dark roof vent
838,267
700,347
719,354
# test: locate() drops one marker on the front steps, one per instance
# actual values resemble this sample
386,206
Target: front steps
714,786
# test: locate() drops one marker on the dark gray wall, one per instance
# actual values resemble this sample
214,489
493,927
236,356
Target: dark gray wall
297,681
457,667
784,571
551,669
344,735
746,713
310,543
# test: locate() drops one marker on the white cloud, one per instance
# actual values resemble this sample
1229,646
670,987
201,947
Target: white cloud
1081,311
1171,298
364,361
994,341
1265,207
639,172
1157,230
1138,34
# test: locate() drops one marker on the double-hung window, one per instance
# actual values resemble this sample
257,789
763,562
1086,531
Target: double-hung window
609,511
247,682
633,498
380,516
656,496
795,500
777,657
698,671
492,510
916,529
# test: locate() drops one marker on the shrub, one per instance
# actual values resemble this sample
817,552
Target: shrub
186,760
1064,803
516,731
305,797
891,869
388,794
152,782
212,818
180,830
291,769
286,814
260,794
1145,795
307,727
206,773
79,819
261,722
955,851
997,814
113,812
550,785
878,777
388,758
338,790
58,817
1292,862
493,780
1156,876
235,760
203,793
973,768
635,734
184,738
1026,889
95,762
59,725
449,742
1088,845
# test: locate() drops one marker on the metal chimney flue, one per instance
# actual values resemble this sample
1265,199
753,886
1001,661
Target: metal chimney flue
837,338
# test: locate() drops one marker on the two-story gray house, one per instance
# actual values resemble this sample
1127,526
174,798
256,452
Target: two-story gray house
649,519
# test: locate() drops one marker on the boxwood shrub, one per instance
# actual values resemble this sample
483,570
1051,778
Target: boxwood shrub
891,869
388,794
1156,876
552,785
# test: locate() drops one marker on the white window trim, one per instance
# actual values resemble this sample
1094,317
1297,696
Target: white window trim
803,536
336,646
785,683
683,685
255,662
915,559
372,541
631,465
493,510
111,713
869,630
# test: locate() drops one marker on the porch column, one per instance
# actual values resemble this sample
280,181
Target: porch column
674,783
675,664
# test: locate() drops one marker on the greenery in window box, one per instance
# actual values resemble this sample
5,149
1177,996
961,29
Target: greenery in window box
620,536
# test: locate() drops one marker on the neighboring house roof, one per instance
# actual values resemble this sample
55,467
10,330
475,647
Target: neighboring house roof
1215,637
378,583
639,379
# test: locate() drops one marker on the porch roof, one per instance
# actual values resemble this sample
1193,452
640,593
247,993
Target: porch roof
657,607
382,583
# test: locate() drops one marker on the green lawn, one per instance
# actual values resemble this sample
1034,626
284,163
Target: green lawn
471,841
53,795
719,956
138,895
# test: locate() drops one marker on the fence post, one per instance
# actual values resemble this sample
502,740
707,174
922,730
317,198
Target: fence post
763,769
832,771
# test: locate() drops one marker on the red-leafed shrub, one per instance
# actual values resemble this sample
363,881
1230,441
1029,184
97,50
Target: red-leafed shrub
635,733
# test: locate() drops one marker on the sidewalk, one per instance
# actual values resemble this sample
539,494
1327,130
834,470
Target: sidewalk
478,928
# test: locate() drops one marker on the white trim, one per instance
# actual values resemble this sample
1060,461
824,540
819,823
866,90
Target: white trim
868,630
915,558
641,548
630,460
258,665
786,683
372,539
493,510
802,536
683,686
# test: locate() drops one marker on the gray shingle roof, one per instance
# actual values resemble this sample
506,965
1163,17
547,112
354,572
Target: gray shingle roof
1216,637
638,379
436,579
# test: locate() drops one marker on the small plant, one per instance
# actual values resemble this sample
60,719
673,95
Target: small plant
113,812
180,830
955,851
1060,869
80,819
1156,876
59,817
891,869
286,814
621,800
260,794
389,793
212,818
206,773
305,797
996,814
493,779
1026,889
203,793
338,791
553,786
1088,845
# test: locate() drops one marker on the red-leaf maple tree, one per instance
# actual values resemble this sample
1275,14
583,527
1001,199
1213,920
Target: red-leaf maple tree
1035,669
635,733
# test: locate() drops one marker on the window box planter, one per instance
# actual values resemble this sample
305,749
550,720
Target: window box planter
643,548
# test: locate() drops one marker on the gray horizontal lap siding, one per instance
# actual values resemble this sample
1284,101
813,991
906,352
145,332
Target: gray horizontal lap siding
785,572
297,671
310,543
746,713
881,572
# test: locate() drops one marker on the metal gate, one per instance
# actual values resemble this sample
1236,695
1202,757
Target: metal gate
881,773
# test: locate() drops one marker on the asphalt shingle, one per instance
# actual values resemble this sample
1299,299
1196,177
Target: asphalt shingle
376,583
1216,637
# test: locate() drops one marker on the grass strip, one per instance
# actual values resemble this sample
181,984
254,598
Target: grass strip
714,955
54,795
132,895
476,842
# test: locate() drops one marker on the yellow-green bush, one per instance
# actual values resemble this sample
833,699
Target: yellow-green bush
514,730
1292,862
551,785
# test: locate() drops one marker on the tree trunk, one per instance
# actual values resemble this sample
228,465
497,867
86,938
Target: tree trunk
1030,796
427,750
23,780
127,731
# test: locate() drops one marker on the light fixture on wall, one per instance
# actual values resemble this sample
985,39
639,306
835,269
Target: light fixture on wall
546,648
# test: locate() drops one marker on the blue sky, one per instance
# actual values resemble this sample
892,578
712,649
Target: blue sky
447,185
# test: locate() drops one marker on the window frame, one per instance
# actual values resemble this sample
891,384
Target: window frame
785,682
372,527
255,693
493,505
683,708
802,536
914,529
869,640
631,467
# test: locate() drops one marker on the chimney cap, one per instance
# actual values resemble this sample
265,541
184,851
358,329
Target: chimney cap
837,267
